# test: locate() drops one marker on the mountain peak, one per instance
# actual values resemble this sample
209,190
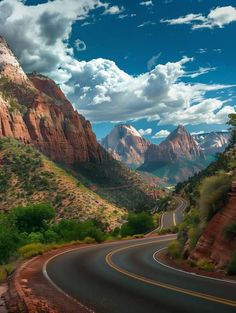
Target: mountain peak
9,65
126,144
177,132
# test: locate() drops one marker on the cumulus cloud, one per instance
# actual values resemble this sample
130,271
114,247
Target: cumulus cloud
161,134
98,88
144,132
147,3
218,17
112,10
39,34
103,92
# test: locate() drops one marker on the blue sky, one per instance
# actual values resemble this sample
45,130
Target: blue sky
136,36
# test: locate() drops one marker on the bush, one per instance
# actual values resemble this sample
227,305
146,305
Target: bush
174,249
89,240
31,250
9,237
138,223
232,265
33,217
69,230
213,194
205,265
5,270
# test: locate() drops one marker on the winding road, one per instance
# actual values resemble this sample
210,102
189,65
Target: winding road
125,277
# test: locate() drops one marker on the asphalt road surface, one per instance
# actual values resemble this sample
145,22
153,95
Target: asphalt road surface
124,277
173,218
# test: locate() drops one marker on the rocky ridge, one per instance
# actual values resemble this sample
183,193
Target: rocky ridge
34,110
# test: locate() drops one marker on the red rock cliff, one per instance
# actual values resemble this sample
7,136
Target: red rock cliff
35,111
213,244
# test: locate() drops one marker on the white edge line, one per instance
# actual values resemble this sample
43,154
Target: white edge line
45,273
189,273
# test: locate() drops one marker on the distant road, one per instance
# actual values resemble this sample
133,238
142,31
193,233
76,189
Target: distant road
172,218
123,277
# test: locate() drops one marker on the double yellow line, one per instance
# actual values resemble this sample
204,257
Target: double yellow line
158,283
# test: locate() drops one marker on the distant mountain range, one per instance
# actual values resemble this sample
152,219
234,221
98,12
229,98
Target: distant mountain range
179,156
214,142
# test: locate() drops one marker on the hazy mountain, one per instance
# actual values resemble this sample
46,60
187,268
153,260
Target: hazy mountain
214,142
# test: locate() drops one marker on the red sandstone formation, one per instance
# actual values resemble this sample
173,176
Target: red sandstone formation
213,244
37,112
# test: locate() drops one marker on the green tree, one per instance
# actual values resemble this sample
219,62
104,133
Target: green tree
138,223
8,237
33,217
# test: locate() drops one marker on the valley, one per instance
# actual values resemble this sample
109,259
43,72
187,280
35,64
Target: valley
117,156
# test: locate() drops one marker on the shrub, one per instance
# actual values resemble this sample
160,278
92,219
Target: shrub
89,240
35,237
9,237
205,265
213,193
31,250
138,223
232,265
174,249
32,218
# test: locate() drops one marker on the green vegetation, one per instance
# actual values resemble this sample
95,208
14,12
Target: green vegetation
117,184
205,265
213,193
33,218
27,231
175,249
232,265
207,193
138,223
18,96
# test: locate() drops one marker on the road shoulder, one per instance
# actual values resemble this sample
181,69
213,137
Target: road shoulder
30,292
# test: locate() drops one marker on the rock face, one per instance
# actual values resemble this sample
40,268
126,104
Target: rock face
214,142
125,144
34,110
179,144
213,245
176,158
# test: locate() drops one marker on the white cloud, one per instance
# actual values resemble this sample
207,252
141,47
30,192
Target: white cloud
201,71
147,3
200,132
115,9
80,45
103,92
148,23
218,17
153,61
161,134
144,132
98,88
202,50
39,34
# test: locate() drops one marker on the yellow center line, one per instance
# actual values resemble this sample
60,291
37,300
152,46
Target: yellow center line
160,284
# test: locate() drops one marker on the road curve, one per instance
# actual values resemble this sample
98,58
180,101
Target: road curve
123,277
